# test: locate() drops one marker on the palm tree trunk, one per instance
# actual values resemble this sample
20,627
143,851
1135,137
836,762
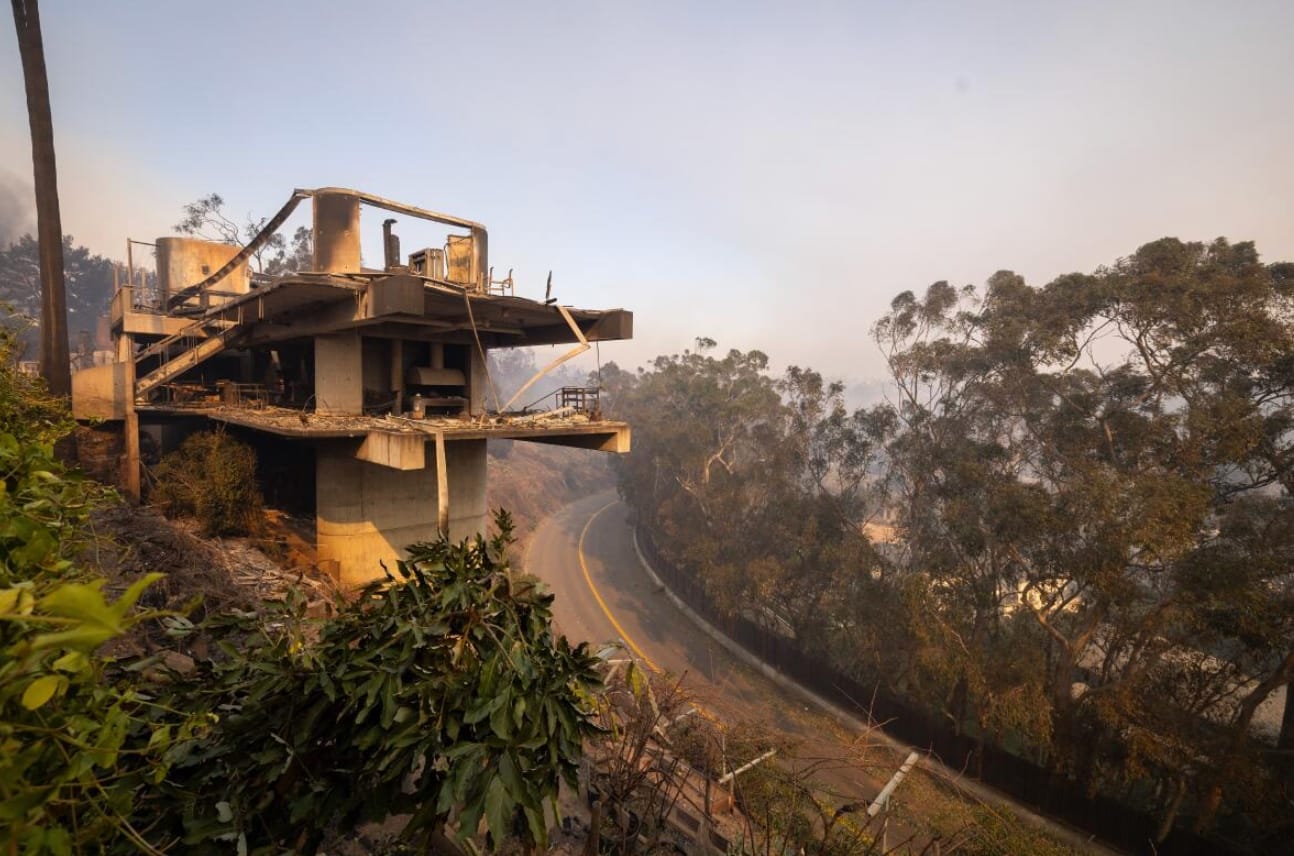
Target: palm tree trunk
55,366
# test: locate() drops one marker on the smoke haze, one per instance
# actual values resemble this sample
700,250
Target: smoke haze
16,209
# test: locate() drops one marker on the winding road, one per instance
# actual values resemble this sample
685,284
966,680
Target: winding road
585,552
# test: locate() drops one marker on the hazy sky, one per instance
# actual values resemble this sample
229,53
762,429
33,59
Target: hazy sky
769,175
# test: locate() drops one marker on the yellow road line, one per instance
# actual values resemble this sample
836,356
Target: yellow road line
624,637
579,548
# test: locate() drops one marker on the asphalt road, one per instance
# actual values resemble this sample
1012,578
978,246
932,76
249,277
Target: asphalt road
585,553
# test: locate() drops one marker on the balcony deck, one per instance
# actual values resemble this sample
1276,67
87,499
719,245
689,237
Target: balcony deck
564,429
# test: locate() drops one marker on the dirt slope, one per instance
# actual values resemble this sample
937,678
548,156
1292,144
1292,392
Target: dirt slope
533,480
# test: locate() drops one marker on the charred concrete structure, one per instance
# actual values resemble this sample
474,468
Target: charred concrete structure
380,373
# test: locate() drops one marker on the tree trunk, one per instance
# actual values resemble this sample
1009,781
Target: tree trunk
1062,709
1285,743
957,704
1177,793
1223,771
54,358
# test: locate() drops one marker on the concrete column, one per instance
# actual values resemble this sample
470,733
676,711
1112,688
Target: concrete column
126,347
442,485
367,513
397,375
336,233
339,374
466,465
477,394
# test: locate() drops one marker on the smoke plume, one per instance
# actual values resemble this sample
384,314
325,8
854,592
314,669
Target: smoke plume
17,207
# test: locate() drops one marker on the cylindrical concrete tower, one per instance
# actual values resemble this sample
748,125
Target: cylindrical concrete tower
336,233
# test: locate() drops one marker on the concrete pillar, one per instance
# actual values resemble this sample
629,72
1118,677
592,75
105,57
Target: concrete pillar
336,233
367,513
442,485
397,375
477,382
126,347
339,374
466,466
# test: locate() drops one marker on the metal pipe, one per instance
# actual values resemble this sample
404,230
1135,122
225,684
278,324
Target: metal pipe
574,352
761,759
883,798
397,207
390,244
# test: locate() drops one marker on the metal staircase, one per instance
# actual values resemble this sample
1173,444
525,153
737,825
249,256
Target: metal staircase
184,350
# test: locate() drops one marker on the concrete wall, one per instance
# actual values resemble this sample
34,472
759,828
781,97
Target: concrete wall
99,392
376,359
339,375
367,513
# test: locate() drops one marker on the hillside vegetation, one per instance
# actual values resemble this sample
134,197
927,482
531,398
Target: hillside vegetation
441,695
1089,487
532,480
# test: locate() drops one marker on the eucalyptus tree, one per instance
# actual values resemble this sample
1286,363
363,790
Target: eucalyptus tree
205,218
756,484
1069,463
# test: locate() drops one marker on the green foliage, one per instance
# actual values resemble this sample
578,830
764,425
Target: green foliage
1091,484
75,741
440,693
211,477
42,505
762,490
26,410
76,744
1070,460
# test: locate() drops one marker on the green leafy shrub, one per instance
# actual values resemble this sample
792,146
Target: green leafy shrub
76,746
27,411
76,742
211,477
440,693
42,505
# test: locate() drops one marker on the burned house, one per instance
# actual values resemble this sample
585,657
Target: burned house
372,383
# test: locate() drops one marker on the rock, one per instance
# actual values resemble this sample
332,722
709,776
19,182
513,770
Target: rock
178,662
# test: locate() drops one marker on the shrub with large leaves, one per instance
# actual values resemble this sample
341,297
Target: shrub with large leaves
74,746
440,693
41,504
75,741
